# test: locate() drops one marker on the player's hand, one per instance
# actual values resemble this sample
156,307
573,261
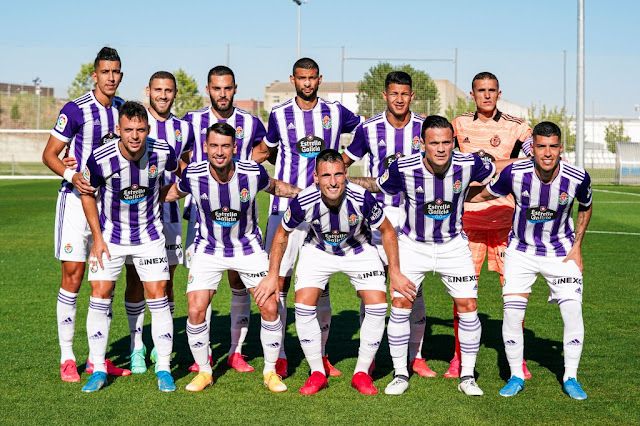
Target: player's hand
398,282
575,254
265,289
82,185
98,250
70,162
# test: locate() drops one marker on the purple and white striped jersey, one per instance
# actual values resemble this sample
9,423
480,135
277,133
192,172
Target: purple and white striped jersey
84,124
227,212
179,135
341,232
300,135
434,204
129,204
542,220
385,144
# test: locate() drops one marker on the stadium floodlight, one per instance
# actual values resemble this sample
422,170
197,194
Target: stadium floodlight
299,3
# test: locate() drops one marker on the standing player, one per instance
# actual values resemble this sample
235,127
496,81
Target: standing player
298,130
83,125
129,174
492,135
221,88
431,239
543,241
163,125
339,216
386,137
229,238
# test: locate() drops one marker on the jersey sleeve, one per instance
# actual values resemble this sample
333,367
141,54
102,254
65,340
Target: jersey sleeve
349,120
69,122
184,184
272,138
93,173
358,147
191,139
584,194
259,132
263,179
391,181
482,172
526,137
173,160
500,185
372,211
294,216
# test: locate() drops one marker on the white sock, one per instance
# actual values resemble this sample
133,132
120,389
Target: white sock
371,333
198,338
270,337
573,339
98,331
66,313
161,331
110,313
207,318
172,308
135,316
324,317
418,322
282,312
469,333
512,336
398,336
310,336
240,311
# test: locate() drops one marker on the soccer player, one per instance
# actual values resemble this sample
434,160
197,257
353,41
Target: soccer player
492,135
431,239
221,88
224,192
163,125
386,137
297,131
543,241
339,218
129,174
83,124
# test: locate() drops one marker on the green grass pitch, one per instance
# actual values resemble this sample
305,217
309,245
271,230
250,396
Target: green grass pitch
32,392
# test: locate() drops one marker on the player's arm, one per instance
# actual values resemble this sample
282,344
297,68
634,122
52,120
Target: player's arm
397,281
479,194
51,159
99,247
269,284
261,153
281,189
170,193
267,149
368,183
584,216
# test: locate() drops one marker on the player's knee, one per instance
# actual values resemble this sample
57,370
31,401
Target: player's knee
269,311
72,274
196,315
401,302
466,305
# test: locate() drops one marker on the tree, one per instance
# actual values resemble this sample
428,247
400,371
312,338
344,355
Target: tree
463,105
189,98
615,133
557,116
83,81
370,88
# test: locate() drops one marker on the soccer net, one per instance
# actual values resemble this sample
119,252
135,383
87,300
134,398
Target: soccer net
627,164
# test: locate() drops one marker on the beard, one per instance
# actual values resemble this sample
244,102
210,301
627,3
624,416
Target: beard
307,98
157,109
217,106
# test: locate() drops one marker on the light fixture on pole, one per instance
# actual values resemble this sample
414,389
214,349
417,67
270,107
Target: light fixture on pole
36,84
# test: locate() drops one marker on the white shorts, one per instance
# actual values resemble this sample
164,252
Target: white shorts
149,259
296,239
365,269
451,260
206,269
189,246
521,270
393,214
172,243
73,238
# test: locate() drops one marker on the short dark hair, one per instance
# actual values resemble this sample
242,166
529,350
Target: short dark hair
224,129
485,75
398,77
305,64
547,128
133,109
435,122
106,54
328,155
163,75
221,70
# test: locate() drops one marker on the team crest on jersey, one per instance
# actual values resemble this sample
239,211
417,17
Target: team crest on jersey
225,216
68,248
86,174
326,122
390,159
540,214
62,123
415,144
335,237
134,194
310,146
178,135
353,220
438,209
563,198
495,179
244,195
190,280
109,137
495,140
457,187
94,268
153,171
239,132
287,215
384,177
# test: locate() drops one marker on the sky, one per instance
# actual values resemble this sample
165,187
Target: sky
521,42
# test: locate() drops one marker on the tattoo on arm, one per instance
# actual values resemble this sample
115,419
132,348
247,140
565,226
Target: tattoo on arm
367,183
282,189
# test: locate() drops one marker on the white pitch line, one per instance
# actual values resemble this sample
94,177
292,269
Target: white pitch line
617,192
616,233
618,202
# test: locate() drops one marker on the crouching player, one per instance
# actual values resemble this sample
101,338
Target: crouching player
543,241
229,238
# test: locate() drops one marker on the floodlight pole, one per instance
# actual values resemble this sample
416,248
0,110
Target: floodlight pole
564,98
299,3
580,88
36,84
